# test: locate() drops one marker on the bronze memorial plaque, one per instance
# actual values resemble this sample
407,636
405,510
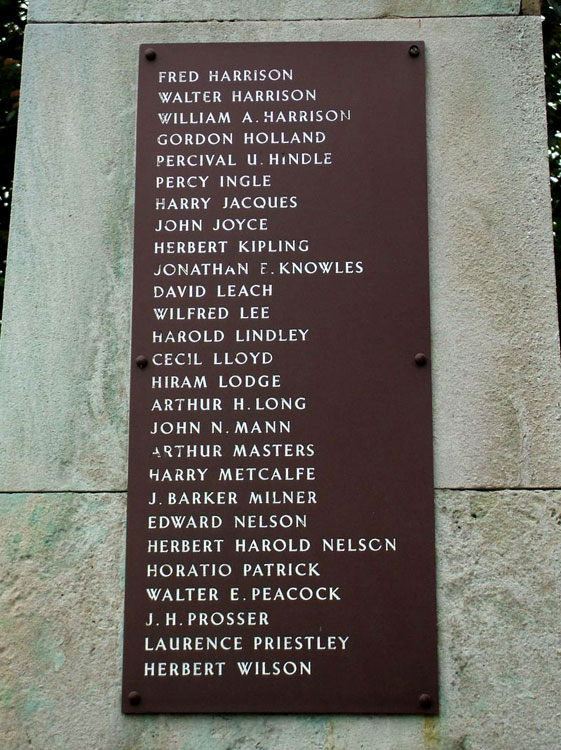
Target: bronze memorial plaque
280,530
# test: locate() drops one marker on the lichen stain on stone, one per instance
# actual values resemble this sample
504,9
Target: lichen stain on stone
329,743
13,548
49,523
430,733
30,706
36,516
47,527
48,646
96,534
7,697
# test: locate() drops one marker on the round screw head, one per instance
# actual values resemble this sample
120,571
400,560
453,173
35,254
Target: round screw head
141,361
150,54
420,359
414,51
425,701
134,698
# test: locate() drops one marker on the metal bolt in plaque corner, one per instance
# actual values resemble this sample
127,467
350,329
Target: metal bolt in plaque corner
280,531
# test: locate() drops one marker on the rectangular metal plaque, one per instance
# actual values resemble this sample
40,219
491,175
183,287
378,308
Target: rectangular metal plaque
280,540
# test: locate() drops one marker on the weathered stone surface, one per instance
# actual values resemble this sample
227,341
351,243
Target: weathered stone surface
65,344
246,10
65,340
495,335
499,589
499,560
61,599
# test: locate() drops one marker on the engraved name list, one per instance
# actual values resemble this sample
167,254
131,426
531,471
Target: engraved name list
280,543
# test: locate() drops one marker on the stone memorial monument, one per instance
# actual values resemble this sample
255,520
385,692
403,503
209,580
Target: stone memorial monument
280,383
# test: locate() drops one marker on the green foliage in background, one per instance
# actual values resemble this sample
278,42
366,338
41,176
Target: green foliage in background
12,21
552,55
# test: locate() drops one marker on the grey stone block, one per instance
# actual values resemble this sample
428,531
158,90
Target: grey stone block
61,597
259,10
499,594
64,352
499,602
